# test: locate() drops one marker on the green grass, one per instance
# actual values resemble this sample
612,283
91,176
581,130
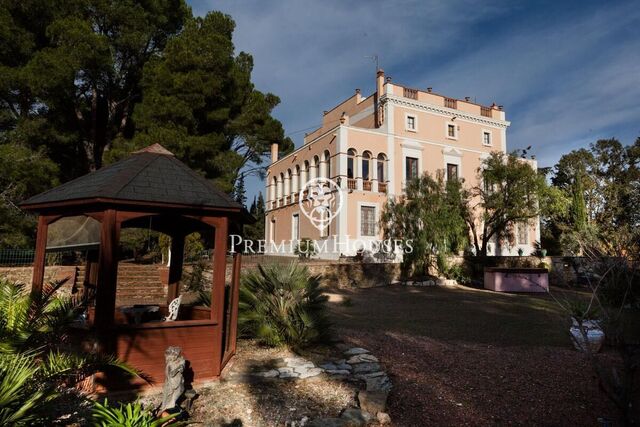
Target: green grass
457,315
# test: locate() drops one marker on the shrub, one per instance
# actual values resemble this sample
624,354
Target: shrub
129,415
282,305
453,272
305,248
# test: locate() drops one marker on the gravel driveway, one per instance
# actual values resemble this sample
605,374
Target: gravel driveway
472,357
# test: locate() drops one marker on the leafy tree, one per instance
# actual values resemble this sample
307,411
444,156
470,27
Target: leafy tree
508,192
199,102
607,177
430,214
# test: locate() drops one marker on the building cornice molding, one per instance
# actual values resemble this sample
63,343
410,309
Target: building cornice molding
302,147
448,112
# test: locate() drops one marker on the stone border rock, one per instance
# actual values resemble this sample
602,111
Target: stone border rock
357,365
428,282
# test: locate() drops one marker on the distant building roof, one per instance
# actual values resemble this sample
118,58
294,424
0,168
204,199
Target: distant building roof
151,175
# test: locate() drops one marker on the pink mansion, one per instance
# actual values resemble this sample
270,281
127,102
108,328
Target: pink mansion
370,146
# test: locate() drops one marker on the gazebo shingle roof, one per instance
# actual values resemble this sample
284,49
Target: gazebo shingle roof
151,175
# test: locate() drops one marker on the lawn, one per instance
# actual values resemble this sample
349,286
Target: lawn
472,357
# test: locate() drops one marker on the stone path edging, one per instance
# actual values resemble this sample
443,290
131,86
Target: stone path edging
357,365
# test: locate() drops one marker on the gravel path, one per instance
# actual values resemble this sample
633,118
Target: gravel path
501,376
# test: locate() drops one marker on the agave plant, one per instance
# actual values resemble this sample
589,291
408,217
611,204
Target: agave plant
128,415
282,305
36,357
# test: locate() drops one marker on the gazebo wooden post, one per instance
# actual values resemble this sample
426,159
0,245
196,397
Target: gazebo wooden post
39,257
217,287
219,269
237,262
175,268
107,270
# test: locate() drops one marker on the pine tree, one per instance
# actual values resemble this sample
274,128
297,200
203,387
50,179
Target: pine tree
256,231
252,209
239,191
260,208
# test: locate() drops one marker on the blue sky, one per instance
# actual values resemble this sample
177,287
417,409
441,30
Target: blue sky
567,72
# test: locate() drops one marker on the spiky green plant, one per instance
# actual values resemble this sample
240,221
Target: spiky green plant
127,415
283,305
37,358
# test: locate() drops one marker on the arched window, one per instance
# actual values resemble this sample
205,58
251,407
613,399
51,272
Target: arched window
366,166
305,174
315,167
351,163
326,158
295,180
382,167
272,190
287,183
280,182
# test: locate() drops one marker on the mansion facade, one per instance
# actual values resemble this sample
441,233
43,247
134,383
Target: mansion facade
370,146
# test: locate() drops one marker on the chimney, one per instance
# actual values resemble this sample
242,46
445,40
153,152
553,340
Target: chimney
274,152
379,90
379,83
429,89
467,98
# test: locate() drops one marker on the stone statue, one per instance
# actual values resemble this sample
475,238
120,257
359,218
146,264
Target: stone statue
174,379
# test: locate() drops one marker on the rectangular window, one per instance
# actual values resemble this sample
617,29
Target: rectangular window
452,171
295,227
411,168
451,131
367,221
411,123
486,138
523,233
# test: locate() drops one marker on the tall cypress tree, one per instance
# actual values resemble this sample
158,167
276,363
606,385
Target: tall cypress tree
578,206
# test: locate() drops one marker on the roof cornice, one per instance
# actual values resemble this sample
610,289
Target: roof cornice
450,112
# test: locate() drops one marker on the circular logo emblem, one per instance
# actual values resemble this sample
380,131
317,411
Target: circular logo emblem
322,203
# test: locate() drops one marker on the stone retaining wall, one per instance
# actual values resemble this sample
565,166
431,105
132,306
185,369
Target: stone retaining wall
51,273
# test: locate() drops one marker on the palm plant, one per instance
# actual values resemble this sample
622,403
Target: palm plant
282,305
37,358
129,415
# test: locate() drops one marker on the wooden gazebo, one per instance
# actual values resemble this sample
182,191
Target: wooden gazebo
151,187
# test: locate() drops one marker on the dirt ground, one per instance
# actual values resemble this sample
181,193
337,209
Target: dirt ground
472,357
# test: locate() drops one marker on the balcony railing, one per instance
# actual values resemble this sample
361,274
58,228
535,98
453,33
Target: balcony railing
382,187
485,111
450,103
351,184
366,185
410,93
